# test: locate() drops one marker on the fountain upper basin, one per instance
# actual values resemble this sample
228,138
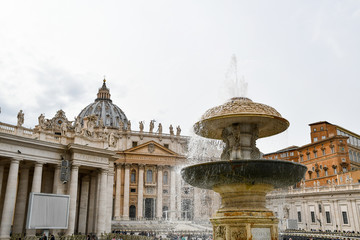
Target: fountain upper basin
273,172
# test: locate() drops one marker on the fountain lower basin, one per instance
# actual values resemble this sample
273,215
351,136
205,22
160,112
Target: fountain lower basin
277,173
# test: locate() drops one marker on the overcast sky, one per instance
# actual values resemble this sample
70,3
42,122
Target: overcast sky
167,60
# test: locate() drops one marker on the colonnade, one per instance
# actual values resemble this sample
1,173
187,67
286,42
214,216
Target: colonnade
122,201
90,190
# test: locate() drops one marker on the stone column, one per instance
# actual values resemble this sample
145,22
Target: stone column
337,216
84,199
140,192
126,192
109,207
172,193
92,207
1,177
20,209
197,203
102,203
36,188
356,215
351,214
117,204
159,193
9,202
178,197
58,186
73,195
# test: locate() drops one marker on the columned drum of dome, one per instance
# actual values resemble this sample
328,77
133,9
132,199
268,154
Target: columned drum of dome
107,113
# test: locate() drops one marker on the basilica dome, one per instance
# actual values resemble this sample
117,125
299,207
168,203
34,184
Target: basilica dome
104,109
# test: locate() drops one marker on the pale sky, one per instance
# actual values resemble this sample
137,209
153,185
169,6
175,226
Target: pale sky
167,60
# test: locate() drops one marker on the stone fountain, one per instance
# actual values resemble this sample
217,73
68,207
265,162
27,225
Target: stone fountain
241,178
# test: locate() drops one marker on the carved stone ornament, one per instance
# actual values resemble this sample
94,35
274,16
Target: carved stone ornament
220,233
238,234
151,148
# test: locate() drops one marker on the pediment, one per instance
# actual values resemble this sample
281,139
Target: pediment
151,148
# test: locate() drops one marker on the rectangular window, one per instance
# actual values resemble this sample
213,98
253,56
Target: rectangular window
317,174
308,156
166,145
327,214
314,129
335,171
298,209
301,158
312,216
292,154
328,219
345,218
133,190
343,209
312,213
315,139
315,154
323,137
134,144
332,150
326,172
323,152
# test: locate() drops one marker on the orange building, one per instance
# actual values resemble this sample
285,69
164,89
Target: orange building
332,157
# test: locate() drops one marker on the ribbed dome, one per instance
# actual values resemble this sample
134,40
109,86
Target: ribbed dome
103,108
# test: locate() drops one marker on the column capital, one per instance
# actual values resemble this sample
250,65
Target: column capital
38,164
127,165
16,160
75,166
118,164
103,171
141,166
111,173
160,167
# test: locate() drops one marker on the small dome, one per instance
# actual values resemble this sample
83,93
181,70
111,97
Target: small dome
104,109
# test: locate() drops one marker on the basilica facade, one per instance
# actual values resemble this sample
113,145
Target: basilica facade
112,172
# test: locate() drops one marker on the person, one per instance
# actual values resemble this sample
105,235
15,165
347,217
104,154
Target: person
44,237
53,237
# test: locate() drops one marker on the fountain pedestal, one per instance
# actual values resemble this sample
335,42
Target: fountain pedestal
243,214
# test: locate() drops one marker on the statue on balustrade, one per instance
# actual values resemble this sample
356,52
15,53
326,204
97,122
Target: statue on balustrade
20,118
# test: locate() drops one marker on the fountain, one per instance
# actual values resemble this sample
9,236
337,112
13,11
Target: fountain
241,178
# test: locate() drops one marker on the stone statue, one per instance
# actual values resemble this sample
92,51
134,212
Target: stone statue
20,118
77,126
41,119
112,139
101,122
178,131
121,125
128,128
171,130
160,128
141,126
63,128
151,126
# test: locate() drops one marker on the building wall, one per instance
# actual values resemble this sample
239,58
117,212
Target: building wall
334,207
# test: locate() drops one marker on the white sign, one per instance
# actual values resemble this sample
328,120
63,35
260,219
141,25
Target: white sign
261,234
48,211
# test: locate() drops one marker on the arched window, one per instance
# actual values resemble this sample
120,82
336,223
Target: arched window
165,178
132,212
133,176
165,212
149,176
